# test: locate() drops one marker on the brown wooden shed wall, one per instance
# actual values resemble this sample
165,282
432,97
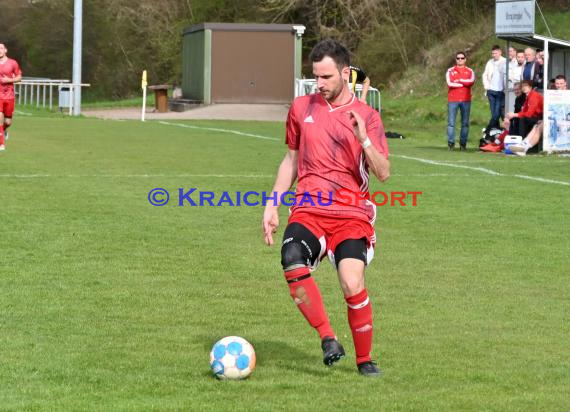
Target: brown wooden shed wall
252,67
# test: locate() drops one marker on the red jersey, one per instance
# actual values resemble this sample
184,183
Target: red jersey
11,69
459,82
533,105
330,157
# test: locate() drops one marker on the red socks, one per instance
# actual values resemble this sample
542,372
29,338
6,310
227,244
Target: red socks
307,297
360,321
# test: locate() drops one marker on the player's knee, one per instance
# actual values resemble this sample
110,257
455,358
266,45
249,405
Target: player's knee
352,285
351,248
293,256
351,272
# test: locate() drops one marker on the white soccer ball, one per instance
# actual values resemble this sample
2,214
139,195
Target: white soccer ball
232,358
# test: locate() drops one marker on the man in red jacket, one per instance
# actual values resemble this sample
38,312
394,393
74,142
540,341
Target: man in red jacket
459,79
531,112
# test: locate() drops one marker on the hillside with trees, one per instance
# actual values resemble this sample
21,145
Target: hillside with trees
392,39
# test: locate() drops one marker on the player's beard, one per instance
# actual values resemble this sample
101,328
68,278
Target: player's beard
331,95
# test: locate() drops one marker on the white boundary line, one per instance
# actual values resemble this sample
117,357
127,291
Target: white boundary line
484,170
215,129
436,163
542,179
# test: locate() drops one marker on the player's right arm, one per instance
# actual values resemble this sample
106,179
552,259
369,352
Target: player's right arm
286,176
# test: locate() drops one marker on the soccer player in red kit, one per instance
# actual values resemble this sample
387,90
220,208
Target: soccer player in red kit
333,140
10,73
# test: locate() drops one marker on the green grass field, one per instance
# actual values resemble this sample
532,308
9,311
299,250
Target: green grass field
110,303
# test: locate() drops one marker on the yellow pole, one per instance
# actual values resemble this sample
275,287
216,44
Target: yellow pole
143,87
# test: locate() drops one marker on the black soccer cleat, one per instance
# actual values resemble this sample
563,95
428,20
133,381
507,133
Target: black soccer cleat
369,369
332,351
463,148
451,146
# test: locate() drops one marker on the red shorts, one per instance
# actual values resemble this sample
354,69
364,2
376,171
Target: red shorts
332,231
7,107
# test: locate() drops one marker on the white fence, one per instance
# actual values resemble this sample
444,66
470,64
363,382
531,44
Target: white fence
309,86
40,92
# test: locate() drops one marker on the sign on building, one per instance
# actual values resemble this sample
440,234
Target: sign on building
556,133
514,17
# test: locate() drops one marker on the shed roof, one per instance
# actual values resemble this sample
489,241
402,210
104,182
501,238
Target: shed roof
536,41
241,27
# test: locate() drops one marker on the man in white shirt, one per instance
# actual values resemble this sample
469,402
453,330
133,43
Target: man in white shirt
512,54
515,75
494,82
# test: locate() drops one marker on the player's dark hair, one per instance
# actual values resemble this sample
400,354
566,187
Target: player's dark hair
560,77
332,49
496,47
462,53
527,82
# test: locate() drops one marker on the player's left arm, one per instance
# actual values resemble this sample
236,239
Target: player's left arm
377,161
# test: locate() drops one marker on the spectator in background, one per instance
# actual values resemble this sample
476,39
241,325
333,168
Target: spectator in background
532,140
528,69
516,68
531,112
497,145
538,78
494,84
519,100
520,60
552,84
560,82
460,79
512,55
515,76
357,75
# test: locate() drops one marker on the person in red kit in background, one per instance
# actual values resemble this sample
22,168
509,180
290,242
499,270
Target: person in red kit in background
10,73
333,140
531,112
460,79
